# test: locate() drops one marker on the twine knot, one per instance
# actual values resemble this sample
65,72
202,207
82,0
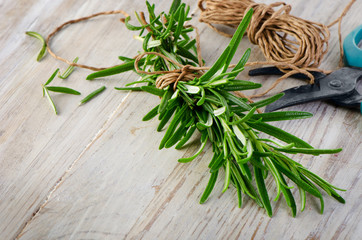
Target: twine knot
184,73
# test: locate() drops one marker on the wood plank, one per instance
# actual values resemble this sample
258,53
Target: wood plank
94,171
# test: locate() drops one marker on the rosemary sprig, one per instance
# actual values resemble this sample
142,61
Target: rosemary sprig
228,122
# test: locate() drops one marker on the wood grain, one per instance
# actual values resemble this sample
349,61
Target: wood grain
94,171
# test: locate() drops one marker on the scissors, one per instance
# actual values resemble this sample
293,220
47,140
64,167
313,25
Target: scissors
338,87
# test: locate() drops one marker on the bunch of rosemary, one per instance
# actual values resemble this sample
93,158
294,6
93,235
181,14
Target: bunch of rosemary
228,122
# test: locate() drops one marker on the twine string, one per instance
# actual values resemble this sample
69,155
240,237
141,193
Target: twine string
339,20
58,29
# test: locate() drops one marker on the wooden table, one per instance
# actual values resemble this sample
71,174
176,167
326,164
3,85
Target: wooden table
94,171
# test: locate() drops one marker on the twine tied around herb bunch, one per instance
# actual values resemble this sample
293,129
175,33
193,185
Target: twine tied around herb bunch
188,72
184,73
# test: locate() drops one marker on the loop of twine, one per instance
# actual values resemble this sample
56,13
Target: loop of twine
76,21
339,21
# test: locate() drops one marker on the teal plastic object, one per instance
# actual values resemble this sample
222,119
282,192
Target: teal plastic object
352,47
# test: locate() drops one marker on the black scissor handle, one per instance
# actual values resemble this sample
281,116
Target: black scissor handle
339,87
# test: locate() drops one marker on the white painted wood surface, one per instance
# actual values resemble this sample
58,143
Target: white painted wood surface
94,171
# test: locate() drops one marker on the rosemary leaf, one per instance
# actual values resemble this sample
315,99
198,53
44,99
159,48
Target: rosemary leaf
266,101
151,114
125,67
128,88
44,45
263,191
62,90
235,40
52,77
309,150
188,135
92,95
69,70
281,116
50,100
209,187
130,26
279,133
174,6
153,90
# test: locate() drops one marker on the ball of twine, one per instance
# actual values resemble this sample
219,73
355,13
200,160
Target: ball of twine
280,36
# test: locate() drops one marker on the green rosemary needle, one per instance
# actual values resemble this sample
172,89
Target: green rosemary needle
62,90
44,45
46,93
69,70
52,77
92,95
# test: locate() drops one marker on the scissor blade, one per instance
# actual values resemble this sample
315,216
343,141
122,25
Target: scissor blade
275,71
297,95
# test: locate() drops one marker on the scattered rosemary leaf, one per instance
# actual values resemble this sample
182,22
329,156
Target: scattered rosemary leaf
44,45
62,90
69,70
52,77
92,95
46,93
